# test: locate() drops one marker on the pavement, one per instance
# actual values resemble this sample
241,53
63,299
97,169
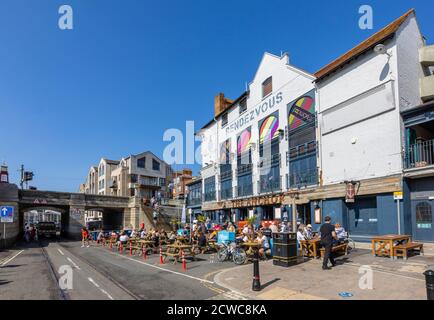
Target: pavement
391,279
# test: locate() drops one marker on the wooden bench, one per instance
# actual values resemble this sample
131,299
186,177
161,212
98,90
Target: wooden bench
403,249
340,248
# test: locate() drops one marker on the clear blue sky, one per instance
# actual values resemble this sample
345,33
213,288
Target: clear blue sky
132,69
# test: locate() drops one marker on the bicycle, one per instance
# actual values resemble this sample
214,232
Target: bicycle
232,251
351,243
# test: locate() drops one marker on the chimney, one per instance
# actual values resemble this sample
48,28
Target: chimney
221,103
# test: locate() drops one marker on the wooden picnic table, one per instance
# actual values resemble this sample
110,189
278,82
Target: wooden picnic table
175,251
310,247
382,246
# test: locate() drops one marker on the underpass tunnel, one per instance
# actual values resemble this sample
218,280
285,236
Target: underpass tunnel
35,216
103,218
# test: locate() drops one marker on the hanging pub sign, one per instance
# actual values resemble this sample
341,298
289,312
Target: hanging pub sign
350,192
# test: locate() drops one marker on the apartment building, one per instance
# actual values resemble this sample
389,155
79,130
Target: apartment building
180,179
353,141
142,175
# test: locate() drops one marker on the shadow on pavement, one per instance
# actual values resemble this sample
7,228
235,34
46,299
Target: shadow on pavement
269,283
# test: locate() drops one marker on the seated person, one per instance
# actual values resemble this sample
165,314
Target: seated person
300,235
308,232
100,237
263,240
143,234
123,238
340,233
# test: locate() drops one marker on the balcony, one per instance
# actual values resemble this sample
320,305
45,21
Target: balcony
420,155
427,88
227,175
209,196
270,184
226,193
302,179
302,150
426,56
244,169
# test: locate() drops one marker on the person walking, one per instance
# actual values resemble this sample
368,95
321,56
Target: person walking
84,237
328,233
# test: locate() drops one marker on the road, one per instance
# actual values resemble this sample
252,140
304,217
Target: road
42,271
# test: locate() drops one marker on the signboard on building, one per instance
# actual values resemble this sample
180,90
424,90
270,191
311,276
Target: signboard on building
277,213
350,192
7,214
399,195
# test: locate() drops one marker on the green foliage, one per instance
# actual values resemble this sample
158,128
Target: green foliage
252,220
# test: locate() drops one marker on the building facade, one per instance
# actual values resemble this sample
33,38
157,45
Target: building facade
194,197
180,179
353,141
142,175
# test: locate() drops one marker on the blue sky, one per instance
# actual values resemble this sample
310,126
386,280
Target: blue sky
129,70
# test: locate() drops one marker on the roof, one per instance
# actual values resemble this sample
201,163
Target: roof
226,109
369,43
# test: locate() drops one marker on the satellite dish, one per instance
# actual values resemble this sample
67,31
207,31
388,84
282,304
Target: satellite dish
380,49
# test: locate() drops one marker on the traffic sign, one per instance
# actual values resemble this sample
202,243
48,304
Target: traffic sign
7,214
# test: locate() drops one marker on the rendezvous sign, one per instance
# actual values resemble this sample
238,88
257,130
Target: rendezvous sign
7,214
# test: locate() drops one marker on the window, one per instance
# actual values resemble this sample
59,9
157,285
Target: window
267,87
224,119
243,106
155,165
141,163
210,189
133,178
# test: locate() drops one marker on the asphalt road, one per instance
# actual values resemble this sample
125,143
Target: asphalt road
43,271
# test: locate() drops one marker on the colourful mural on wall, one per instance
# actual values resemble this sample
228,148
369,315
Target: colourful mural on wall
269,128
244,141
301,111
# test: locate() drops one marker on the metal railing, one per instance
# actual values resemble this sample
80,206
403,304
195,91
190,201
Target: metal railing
226,193
270,184
420,154
244,169
226,175
303,179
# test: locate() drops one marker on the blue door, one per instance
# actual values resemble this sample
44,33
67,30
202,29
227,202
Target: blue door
422,220
362,216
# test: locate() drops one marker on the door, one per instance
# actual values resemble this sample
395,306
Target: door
422,220
362,216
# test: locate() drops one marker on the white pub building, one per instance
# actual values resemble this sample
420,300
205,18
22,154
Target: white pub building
353,141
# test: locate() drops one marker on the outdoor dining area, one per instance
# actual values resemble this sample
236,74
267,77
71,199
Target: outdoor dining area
395,246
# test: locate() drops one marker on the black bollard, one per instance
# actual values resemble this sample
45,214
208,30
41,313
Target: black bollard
429,279
256,285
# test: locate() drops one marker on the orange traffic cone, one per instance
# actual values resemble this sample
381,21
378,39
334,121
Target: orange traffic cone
184,263
161,256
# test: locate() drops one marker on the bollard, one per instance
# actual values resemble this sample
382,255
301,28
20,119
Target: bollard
111,245
144,252
161,256
131,248
120,247
184,263
429,280
256,285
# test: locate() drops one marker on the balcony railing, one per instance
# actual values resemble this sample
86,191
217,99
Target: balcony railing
302,150
420,154
273,161
244,169
302,179
245,190
226,175
209,196
270,184
226,193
